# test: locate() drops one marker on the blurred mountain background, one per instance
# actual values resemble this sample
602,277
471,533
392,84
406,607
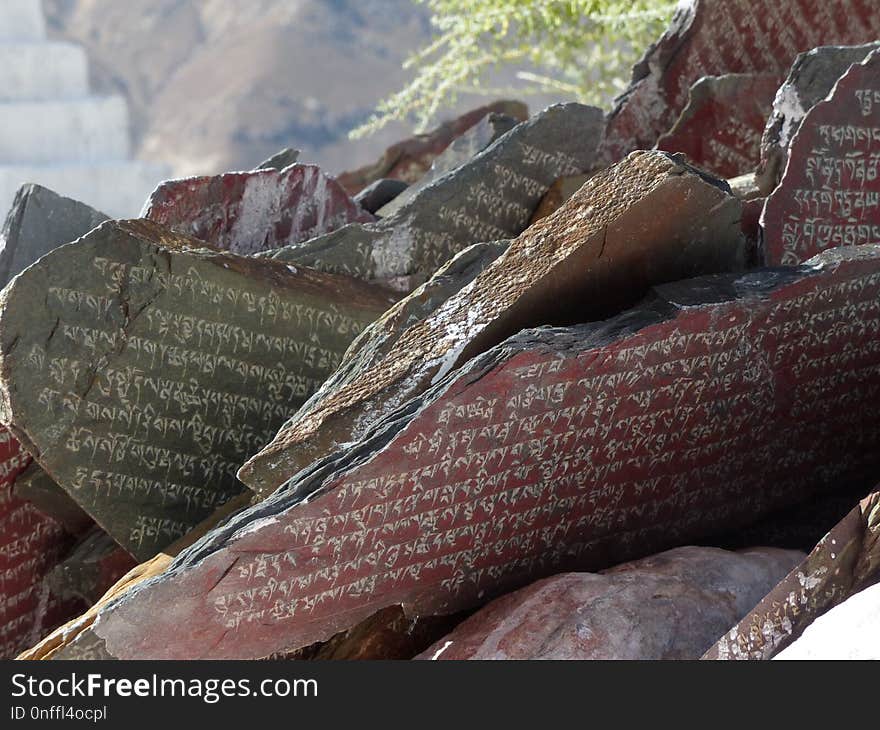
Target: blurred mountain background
216,85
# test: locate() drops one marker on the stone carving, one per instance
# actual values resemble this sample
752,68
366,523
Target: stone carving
811,79
30,545
39,222
830,193
141,372
720,128
717,37
34,485
600,252
492,197
844,562
248,212
669,606
410,159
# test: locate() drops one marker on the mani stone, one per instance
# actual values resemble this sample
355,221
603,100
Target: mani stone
718,37
140,372
720,128
462,150
34,485
670,606
410,159
830,193
280,160
490,198
844,562
600,252
849,631
379,193
40,221
249,212
811,79
557,195
30,546
715,402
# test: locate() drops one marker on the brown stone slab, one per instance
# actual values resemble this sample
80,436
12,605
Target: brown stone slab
811,79
830,193
141,372
714,403
411,158
844,562
557,195
721,127
669,606
597,254
249,212
30,546
717,37
491,197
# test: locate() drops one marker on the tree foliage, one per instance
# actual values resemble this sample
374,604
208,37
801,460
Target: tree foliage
577,49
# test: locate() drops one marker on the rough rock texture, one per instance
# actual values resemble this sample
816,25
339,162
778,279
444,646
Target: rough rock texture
719,400
491,197
811,79
844,562
248,212
720,128
379,193
39,222
830,192
140,372
411,158
462,150
713,38
670,606
557,195
30,545
600,252
92,567
34,485
849,631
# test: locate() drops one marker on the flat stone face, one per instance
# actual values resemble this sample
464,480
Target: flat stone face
711,38
462,150
248,212
811,79
40,221
720,129
844,562
380,193
411,158
142,373
830,193
281,159
846,632
30,545
600,252
490,198
616,615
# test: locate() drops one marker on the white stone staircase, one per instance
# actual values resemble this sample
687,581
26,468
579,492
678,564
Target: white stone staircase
53,131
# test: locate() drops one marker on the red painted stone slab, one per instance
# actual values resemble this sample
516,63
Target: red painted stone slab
249,212
411,158
716,37
721,127
30,545
570,448
830,192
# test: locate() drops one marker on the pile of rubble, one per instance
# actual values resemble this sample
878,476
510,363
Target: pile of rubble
481,402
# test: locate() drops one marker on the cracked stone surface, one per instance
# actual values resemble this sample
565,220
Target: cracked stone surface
713,38
249,212
598,253
40,221
140,371
491,197
673,605
829,195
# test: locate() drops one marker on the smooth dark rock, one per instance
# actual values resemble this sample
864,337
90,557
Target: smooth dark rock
141,370
39,222
34,485
285,158
379,193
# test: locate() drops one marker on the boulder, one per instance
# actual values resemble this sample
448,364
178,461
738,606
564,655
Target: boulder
379,193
